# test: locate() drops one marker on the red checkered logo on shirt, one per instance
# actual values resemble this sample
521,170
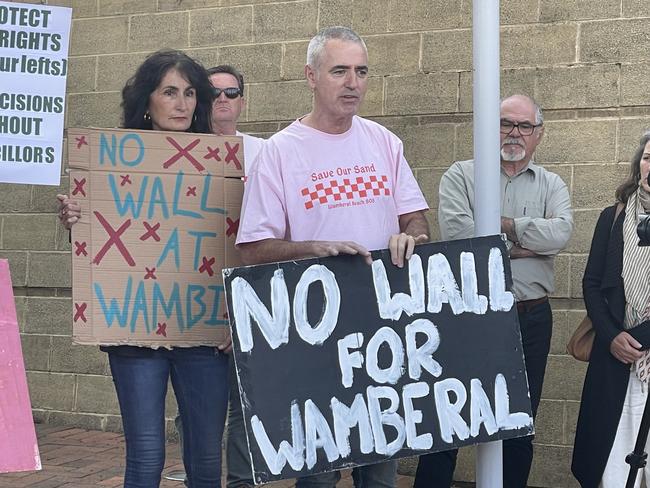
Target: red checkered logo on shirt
345,189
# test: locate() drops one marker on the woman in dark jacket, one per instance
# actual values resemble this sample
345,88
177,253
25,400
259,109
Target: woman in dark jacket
616,288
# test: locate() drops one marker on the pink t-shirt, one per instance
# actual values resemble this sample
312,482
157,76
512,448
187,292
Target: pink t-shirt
310,185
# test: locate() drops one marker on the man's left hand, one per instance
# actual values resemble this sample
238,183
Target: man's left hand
401,247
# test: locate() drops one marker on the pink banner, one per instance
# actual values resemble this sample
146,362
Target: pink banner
18,446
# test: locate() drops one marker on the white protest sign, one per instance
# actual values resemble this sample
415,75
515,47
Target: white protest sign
34,43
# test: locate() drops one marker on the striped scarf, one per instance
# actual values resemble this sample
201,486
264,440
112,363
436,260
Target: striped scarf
636,274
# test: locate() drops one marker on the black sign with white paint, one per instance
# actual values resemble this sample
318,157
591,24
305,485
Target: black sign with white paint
343,364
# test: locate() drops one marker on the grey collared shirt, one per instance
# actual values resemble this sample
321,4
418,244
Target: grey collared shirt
539,203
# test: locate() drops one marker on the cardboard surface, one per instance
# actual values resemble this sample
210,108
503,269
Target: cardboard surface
341,364
160,212
18,446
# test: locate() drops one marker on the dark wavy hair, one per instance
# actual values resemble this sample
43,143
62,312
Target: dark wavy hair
631,183
135,94
230,70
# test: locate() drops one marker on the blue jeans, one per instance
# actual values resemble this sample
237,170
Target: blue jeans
199,378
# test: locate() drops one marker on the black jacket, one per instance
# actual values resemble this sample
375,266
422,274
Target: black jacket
605,384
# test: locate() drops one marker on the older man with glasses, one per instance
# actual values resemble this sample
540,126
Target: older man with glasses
229,102
537,219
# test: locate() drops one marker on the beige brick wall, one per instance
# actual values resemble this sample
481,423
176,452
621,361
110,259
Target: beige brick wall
585,62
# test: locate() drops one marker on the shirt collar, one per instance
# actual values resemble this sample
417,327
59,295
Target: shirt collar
531,166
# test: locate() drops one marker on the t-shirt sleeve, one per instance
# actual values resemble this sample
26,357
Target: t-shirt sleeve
408,196
263,206
252,146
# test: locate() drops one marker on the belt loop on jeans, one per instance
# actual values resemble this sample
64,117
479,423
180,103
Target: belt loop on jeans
527,305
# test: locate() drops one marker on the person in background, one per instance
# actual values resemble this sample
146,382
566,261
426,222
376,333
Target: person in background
227,107
169,92
616,290
228,84
537,220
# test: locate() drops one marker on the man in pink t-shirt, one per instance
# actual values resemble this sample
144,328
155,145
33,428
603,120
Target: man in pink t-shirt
333,183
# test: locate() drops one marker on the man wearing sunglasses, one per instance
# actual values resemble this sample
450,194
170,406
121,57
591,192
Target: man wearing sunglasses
333,183
228,104
537,219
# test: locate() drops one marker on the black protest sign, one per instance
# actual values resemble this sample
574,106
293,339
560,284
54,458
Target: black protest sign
343,364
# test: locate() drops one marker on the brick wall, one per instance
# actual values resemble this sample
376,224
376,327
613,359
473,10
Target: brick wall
584,61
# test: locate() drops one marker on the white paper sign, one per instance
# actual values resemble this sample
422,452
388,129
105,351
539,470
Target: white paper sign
34,43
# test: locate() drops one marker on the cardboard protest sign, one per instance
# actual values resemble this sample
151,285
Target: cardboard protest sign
34,43
18,446
159,218
343,364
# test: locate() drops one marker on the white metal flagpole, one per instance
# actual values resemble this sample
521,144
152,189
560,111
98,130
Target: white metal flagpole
487,212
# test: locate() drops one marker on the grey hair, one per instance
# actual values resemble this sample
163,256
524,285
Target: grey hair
539,116
317,43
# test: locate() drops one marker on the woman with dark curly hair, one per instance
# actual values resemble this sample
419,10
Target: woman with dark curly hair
616,289
146,92
170,92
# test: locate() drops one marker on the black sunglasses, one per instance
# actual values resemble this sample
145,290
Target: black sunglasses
230,92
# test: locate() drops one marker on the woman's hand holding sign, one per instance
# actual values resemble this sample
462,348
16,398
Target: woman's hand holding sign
69,211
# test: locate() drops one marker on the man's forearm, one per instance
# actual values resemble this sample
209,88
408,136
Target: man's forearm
414,224
274,250
508,228
549,234
519,252
545,236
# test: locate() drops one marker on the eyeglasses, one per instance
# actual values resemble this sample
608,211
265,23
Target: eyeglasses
525,128
230,92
